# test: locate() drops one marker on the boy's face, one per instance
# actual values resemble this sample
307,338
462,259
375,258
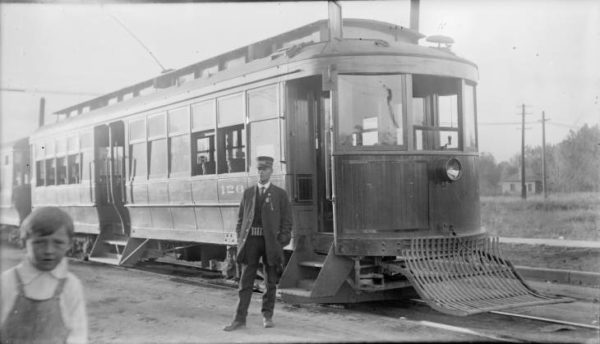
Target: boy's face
45,252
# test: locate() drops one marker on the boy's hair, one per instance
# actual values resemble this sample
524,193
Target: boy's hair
45,221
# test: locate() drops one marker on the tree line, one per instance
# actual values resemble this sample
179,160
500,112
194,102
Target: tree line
572,165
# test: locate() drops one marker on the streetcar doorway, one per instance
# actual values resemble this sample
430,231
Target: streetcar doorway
306,125
109,168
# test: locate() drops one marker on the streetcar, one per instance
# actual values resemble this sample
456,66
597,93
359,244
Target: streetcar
374,137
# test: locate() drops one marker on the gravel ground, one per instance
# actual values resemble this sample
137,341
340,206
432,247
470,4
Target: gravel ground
553,257
132,306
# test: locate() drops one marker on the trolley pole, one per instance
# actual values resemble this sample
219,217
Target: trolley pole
523,188
414,14
42,113
544,155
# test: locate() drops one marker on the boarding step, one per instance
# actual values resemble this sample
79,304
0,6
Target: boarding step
110,259
109,248
311,264
116,242
298,292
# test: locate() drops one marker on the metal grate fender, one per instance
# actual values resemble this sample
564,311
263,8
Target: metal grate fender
467,275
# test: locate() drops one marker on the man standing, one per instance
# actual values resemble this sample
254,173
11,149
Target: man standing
263,229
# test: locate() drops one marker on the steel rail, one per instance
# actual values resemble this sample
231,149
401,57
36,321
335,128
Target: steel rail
531,317
203,281
562,322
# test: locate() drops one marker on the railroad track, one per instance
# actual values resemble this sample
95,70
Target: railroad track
419,313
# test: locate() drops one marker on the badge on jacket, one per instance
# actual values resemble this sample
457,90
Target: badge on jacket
268,200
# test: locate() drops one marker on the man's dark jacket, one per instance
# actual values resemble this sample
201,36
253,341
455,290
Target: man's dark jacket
276,221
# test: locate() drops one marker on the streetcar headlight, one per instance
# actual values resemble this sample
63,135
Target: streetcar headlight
453,169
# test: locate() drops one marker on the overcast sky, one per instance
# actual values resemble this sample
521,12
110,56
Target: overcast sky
541,53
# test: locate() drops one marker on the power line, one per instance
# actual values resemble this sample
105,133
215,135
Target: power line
563,125
163,69
502,123
41,91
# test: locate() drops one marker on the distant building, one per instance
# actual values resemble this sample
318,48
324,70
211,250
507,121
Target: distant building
512,184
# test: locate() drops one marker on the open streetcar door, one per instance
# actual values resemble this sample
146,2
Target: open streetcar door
109,169
307,150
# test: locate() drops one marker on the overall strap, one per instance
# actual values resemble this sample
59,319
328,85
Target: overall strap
60,287
20,284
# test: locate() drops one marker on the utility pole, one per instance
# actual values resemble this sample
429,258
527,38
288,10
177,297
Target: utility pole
523,183
544,155
523,189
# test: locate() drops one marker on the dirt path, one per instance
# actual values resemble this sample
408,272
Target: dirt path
131,306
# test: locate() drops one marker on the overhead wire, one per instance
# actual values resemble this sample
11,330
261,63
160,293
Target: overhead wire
163,69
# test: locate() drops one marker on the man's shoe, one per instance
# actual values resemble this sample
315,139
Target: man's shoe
234,326
268,323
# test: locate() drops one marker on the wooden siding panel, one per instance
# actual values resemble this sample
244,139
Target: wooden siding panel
161,218
183,218
138,193
208,218
140,218
158,192
382,195
229,216
180,192
204,191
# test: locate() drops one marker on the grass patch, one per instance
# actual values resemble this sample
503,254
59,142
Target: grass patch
573,216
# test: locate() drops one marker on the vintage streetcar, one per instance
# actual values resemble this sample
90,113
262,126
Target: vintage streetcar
374,138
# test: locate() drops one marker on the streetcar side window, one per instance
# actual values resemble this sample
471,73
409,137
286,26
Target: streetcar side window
73,158
231,145
371,111
262,103
179,154
74,168
50,171
138,159
435,112
40,168
40,164
264,129
204,152
138,162
87,155
157,146
179,141
203,138
61,171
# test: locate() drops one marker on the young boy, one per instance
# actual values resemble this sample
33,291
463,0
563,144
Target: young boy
42,302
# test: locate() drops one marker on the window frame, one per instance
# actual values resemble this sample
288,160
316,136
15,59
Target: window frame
133,141
474,148
86,149
201,130
432,122
194,148
373,148
176,134
277,113
220,129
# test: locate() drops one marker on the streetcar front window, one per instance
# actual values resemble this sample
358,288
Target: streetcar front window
370,111
435,112
470,133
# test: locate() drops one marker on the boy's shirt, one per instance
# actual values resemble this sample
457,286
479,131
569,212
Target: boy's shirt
40,285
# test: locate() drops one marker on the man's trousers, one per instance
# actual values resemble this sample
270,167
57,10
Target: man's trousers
254,250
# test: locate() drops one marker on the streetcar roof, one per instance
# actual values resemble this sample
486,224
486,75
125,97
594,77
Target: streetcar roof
401,42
